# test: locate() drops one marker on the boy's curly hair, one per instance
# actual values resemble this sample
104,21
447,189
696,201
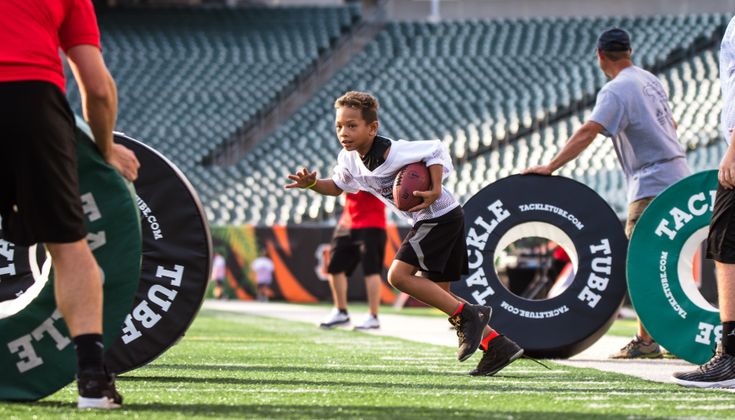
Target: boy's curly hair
365,102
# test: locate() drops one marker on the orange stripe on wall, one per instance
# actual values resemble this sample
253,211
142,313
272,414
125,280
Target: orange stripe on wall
391,245
290,287
281,234
696,269
239,291
386,294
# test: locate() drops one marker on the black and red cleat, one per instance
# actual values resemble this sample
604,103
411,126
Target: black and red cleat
470,323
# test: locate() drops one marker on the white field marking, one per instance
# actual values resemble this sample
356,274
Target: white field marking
261,391
499,379
413,359
508,370
214,339
699,398
628,392
705,407
540,370
616,405
366,389
354,366
583,398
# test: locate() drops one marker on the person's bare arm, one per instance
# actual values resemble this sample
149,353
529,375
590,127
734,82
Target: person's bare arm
306,179
726,172
580,140
436,173
99,105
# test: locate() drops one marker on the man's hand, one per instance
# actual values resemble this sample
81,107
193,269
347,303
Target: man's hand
302,179
539,170
726,173
124,160
429,197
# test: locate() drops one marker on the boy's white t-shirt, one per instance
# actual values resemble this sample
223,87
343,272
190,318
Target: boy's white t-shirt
352,176
263,268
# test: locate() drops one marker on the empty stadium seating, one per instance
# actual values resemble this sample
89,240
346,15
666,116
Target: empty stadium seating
475,84
189,78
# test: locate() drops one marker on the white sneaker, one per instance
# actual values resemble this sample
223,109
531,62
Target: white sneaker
334,319
370,322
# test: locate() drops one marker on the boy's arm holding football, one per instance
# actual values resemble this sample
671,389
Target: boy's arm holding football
436,173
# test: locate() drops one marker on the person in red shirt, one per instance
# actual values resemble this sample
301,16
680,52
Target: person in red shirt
359,237
39,187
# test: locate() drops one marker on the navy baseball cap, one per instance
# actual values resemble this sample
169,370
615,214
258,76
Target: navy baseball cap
614,39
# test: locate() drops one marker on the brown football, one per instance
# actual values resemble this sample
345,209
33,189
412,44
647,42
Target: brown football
413,177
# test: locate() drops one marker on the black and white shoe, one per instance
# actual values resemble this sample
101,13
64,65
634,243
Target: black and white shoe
470,323
97,390
335,319
719,372
502,352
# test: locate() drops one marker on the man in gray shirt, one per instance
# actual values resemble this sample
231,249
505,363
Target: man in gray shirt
632,109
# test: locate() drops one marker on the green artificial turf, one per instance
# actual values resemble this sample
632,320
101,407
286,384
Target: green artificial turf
239,366
623,328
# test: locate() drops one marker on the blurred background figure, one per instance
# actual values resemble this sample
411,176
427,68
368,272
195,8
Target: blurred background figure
218,275
262,268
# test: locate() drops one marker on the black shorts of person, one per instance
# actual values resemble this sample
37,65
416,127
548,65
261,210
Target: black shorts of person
721,237
562,210
437,247
39,193
351,247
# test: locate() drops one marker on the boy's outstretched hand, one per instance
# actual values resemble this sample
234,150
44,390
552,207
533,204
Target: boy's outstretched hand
429,197
302,179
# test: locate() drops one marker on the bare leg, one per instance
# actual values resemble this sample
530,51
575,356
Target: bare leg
372,286
726,290
78,287
642,333
338,285
402,276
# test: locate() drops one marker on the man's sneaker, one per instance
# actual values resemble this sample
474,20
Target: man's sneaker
470,323
97,390
719,372
370,322
639,349
335,318
502,352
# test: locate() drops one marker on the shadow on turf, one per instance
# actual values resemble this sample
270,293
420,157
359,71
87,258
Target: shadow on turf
475,386
329,370
311,411
307,369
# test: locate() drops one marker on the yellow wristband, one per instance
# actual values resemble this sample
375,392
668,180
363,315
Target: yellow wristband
310,186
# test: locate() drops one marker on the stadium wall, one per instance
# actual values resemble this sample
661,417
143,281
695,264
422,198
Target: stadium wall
482,9
300,255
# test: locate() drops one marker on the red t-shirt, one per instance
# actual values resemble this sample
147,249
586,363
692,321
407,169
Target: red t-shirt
32,31
363,210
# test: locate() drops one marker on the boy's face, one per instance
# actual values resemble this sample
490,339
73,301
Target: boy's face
353,132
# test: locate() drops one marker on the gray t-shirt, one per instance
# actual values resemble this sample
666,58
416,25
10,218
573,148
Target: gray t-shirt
633,108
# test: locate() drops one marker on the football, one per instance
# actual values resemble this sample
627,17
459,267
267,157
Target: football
413,177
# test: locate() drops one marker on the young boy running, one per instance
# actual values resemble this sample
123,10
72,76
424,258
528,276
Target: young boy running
433,254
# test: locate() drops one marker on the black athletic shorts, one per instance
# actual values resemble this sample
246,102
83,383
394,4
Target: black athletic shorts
721,238
39,185
437,247
366,245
